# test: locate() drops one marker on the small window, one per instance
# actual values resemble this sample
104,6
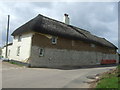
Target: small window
19,38
8,52
18,51
54,40
92,45
73,42
41,52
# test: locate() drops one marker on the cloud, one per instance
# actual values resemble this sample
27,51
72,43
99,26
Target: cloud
42,4
98,18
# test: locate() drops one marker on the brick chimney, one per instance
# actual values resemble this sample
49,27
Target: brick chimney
66,19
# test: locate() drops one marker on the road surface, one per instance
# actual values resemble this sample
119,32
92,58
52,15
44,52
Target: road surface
20,77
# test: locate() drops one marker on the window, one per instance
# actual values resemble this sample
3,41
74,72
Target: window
41,52
92,45
19,38
18,51
8,52
54,40
73,42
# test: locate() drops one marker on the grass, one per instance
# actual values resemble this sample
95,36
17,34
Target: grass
15,63
1,56
110,80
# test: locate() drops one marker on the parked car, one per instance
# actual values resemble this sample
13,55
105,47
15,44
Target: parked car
4,59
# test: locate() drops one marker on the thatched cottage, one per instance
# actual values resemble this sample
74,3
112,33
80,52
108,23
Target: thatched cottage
45,42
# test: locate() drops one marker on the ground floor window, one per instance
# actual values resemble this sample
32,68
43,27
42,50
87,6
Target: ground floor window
41,52
8,52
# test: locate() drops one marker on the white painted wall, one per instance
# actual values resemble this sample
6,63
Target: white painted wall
25,47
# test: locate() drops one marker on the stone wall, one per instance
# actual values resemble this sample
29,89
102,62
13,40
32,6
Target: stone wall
63,57
67,52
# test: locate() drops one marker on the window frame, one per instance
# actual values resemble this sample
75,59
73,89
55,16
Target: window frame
9,52
18,50
41,52
54,40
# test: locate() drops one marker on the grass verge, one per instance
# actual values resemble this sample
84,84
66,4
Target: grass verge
110,79
15,63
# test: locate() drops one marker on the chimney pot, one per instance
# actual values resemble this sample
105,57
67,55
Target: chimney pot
66,14
66,19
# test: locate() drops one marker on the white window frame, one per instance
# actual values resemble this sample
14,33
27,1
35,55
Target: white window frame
18,51
54,40
41,52
19,38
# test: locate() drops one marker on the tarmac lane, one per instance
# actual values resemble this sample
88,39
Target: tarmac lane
14,76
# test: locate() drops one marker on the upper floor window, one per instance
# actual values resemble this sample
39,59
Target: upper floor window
19,38
73,42
92,45
18,51
54,40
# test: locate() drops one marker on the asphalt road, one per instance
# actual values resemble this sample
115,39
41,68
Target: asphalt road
20,77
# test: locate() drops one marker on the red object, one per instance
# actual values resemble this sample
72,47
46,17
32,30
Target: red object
108,61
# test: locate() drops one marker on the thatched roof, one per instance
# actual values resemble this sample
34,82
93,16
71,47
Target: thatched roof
42,24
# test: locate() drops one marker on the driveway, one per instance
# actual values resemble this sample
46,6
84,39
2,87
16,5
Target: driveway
19,77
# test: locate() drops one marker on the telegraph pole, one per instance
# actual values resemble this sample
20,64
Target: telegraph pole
7,36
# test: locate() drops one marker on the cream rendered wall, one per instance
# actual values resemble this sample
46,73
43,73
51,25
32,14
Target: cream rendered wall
25,47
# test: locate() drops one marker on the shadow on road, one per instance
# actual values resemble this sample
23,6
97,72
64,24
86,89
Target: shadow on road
65,67
78,67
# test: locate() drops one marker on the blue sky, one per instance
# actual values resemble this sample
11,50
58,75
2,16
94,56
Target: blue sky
100,18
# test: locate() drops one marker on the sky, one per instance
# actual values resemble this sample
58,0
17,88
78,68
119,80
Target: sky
100,18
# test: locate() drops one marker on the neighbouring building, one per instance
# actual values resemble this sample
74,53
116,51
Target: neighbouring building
45,42
8,52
